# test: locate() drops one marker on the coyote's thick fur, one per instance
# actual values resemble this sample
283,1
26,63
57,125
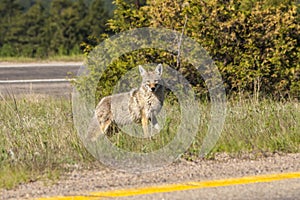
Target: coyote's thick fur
140,105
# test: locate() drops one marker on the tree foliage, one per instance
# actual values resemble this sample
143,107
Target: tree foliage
255,44
36,28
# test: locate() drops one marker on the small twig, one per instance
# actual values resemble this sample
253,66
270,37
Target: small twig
137,4
180,42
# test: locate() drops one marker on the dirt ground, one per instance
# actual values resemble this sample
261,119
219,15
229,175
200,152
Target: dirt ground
80,182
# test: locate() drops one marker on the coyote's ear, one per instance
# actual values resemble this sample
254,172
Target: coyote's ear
142,70
159,69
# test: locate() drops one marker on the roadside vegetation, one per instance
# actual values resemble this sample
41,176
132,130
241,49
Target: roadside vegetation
38,140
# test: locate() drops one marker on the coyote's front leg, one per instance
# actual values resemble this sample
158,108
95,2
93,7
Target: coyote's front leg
145,124
154,122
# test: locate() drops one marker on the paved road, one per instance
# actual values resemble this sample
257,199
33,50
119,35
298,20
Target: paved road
270,186
43,78
277,190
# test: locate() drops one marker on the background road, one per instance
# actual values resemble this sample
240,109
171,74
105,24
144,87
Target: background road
43,78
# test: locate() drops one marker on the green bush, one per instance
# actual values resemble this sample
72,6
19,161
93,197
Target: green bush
7,51
255,46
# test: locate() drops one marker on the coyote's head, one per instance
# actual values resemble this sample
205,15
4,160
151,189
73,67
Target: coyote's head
152,80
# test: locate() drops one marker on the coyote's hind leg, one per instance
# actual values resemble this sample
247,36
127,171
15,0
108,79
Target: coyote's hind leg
104,126
97,128
101,120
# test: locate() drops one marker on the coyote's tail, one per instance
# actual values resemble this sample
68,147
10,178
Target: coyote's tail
93,130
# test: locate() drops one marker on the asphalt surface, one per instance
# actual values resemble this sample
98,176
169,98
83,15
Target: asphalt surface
277,190
43,78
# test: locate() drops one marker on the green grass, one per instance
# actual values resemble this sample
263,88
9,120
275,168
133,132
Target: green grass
260,127
265,126
38,140
70,58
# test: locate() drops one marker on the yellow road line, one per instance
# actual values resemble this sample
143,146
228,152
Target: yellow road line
181,186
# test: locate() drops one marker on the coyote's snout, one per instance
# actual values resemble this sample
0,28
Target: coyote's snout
140,105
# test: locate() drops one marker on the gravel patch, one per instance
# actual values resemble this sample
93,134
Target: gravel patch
80,182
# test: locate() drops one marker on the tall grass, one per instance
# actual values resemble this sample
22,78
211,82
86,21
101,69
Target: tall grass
251,126
261,126
37,137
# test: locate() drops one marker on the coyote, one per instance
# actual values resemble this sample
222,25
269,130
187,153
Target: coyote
140,105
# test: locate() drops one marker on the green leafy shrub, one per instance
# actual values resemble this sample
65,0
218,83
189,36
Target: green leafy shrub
256,46
7,50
